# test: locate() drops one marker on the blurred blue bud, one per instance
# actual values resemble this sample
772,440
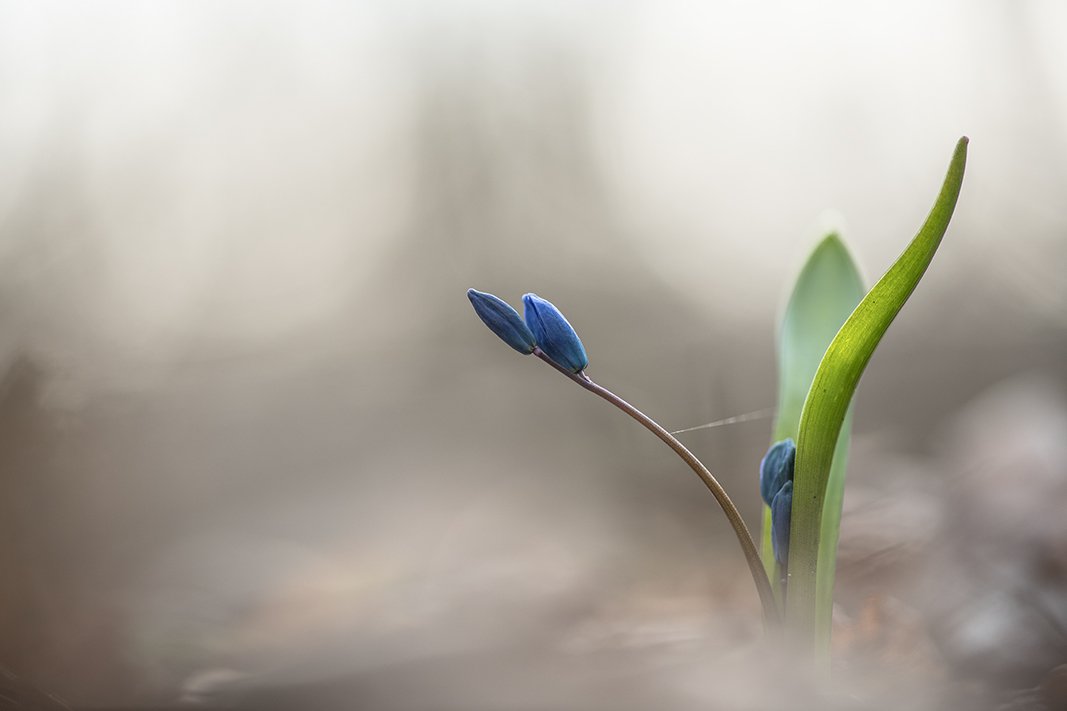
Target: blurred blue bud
502,320
776,469
781,508
553,334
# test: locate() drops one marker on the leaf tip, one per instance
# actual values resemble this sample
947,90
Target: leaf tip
961,148
833,247
832,240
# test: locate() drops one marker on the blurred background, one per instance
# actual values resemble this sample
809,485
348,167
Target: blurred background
256,450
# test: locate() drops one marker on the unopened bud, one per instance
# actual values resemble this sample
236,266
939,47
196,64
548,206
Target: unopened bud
553,334
502,320
776,469
781,510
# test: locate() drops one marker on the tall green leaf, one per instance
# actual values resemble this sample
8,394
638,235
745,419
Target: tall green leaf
824,294
831,392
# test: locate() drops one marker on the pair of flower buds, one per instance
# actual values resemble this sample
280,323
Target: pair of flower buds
776,488
544,328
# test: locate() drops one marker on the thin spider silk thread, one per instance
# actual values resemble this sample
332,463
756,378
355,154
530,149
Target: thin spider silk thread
746,417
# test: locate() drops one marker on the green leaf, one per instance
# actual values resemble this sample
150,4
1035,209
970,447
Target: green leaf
831,392
831,527
824,294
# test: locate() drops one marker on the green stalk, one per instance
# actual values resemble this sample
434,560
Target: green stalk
831,527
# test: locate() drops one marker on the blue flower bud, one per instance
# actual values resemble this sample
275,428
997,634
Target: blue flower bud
776,469
502,320
781,508
553,334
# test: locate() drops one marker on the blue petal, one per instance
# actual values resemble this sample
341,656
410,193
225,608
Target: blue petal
776,469
502,320
553,334
781,509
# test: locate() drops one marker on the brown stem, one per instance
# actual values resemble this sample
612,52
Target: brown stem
755,565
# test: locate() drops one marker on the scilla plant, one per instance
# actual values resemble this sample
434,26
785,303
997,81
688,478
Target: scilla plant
828,334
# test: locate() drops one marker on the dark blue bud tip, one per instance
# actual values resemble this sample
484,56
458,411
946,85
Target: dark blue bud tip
776,469
502,320
553,334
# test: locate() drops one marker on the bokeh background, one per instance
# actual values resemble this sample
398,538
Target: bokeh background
256,450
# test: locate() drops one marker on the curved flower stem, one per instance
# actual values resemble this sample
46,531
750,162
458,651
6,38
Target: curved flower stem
755,565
